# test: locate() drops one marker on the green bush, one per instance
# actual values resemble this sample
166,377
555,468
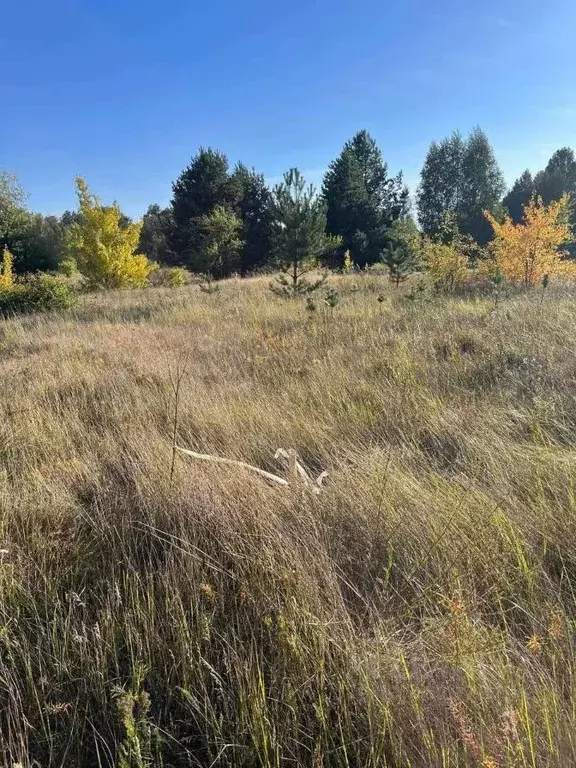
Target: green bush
68,267
170,277
36,293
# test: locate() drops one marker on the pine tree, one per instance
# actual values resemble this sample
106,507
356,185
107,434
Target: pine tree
519,196
204,184
400,263
300,237
558,178
253,206
362,200
156,228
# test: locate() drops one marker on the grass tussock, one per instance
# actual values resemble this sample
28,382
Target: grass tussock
420,611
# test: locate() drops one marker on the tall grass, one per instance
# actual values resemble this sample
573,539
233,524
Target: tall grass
418,612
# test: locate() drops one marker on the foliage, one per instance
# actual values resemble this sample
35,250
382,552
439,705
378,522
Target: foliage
219,242
68,267
438,195
460,179
6,271
362,200
348,265
34,240
519,196
36,293
447,265
202,185
156,229
170,277
526,252
400,262
300,237
405,233
331,298
558,178
252,203
175,277
104,245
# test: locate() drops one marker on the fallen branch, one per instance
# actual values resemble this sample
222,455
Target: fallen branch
296,469
221,460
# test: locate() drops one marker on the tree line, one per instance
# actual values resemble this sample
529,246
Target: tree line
223,220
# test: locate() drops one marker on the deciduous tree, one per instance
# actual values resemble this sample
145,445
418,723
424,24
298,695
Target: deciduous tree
103,248
460,179
526,252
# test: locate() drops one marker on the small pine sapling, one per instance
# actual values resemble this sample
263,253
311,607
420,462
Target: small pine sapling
399,262
348,265
331,298
497,280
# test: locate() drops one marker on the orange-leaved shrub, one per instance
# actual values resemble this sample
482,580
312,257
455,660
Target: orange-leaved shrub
526,252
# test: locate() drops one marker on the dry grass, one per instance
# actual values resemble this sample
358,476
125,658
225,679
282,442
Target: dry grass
419,612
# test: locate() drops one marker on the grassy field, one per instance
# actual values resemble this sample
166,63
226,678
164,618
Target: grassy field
419,611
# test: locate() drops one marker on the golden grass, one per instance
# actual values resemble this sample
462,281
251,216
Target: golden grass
418,612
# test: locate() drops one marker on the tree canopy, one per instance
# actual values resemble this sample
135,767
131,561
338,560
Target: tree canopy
362,199
460,179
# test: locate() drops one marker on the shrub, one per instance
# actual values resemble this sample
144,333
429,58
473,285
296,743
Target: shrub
447,265
36,293
170,277
68,267
105,245
526,252
6,274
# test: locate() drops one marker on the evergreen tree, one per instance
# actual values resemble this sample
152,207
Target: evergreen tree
519,196
400,262
253,205
362,200
300,237
558,178
204,184
156,229
460,179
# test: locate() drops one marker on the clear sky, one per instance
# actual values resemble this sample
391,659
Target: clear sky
125,91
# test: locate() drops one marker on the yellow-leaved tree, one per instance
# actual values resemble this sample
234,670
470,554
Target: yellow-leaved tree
526,252
104,244
6,274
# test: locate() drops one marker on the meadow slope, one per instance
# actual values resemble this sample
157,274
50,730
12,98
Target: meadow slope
418,612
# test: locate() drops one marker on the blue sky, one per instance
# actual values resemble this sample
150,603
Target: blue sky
125,91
